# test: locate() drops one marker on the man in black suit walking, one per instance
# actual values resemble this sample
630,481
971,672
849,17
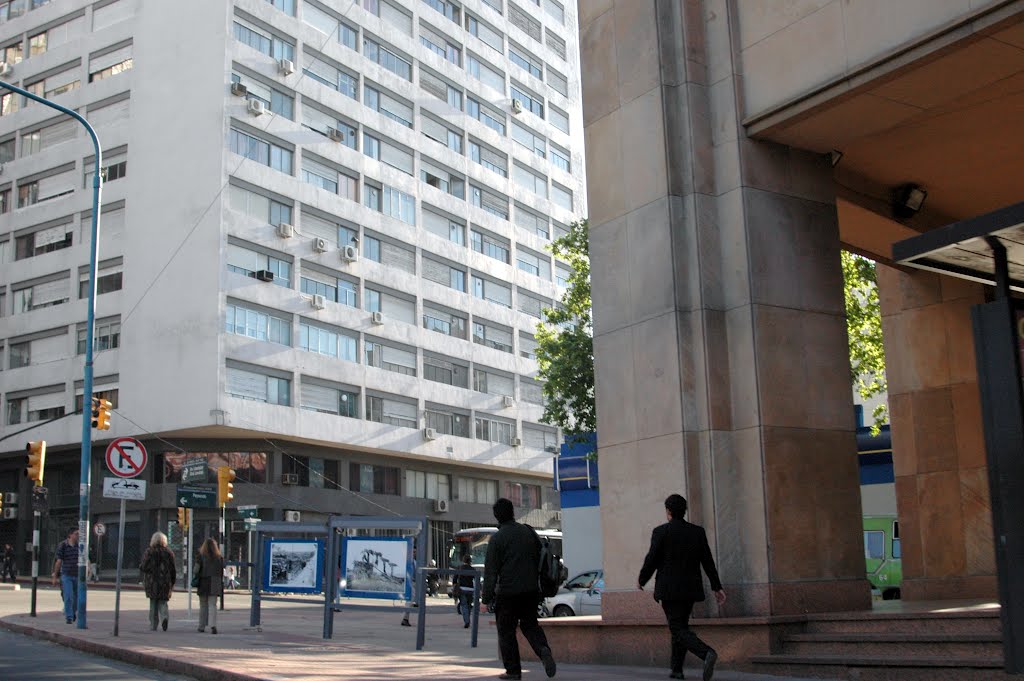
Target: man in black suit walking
678,550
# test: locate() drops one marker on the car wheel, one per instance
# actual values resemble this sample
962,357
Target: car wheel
563,611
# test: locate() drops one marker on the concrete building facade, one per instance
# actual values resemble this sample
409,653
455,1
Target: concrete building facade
733,149
322,251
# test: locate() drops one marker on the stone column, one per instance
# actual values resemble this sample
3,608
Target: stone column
720,342
942,491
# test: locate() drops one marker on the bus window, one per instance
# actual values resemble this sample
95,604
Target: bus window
874,545
897,549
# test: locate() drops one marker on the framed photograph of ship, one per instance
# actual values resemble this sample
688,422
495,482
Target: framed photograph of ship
293,565
377,567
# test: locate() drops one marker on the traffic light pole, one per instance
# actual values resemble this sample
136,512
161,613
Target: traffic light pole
85,482
224,548
35,559
117,586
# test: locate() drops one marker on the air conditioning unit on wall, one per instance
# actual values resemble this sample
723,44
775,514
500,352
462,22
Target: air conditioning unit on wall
508,401
320,245
286,67
429,434
377,317
349,253
441,505
318,302
255,107
289,478
285,231
239,90
517,106
293,516
517,442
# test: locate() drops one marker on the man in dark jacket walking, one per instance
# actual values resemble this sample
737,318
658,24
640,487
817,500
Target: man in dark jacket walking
678,551
511,588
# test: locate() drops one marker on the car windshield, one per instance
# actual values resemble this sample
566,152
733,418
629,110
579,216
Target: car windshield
582,581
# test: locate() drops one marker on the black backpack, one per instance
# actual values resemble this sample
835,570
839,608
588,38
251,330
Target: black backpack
551,571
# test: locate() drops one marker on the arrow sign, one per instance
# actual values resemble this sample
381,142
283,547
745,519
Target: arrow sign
195,497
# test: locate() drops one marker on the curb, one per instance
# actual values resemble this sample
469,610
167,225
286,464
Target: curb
169,665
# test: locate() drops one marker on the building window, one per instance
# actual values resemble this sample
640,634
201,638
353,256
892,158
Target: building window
476,491
335,290
384,56
370,479
495,161
492,291
443,371
444,322
101,72
324,70
526,61
492,337
251,385
491,202
447,423
286,6
328,400
105,283
243,321
390,358
530,102
486,115
54,85
42,241
261,151
253,264
38,296
114,168
258,206
391,412
560,159
328,342
388,106
272,46
109,395
108,336
21,355
399,205
494,431
449,9
275,101
440,45
490,246
422,485
521,495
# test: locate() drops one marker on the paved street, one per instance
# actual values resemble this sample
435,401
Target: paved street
29,659
367,645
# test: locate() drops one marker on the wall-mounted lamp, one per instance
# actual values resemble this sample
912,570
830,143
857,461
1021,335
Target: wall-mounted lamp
835,156
907,200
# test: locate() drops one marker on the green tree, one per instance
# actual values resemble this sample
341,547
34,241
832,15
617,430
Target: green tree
864,326
565,342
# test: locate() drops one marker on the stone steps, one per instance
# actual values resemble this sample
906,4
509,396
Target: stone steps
882,668
959,623
911,645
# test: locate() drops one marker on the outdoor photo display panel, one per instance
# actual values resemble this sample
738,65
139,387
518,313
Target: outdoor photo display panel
293,565
377,567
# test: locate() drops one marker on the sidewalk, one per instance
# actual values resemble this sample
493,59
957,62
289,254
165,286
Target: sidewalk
367,645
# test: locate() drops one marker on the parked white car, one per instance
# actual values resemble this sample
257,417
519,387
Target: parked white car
581,595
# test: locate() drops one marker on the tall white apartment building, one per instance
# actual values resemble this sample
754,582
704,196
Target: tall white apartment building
322,251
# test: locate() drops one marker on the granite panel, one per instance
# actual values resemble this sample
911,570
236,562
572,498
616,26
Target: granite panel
600,69
813,392
743,382
615,388
732,237
942,526
719,35
610,292
925,333
636,49
652,269
689,216
794,252
841,595
970,434
955,288
918,289
591,9
758,21
644,171
901,427
889,295
697,459
606,199
960,340
740,544
949,588
976,507
898,365
693,370
934,431
813,504
656,379
763,165
909,507
679,144
719,398
725,127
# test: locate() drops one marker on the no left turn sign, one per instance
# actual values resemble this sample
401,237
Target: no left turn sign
126,457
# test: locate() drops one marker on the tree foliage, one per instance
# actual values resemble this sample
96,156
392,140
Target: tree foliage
864,326
565,342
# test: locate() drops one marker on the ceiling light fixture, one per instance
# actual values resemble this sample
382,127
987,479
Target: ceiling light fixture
908,199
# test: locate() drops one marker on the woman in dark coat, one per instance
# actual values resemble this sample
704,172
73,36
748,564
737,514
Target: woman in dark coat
158,575
211,583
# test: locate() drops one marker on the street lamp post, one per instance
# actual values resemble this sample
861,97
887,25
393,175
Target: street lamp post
85,484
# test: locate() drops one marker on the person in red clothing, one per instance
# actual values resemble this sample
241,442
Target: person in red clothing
678,551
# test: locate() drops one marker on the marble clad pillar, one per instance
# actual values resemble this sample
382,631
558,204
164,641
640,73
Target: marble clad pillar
942,488
720,342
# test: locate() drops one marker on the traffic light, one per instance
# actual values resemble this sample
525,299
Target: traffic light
101,413
183,517
224,485
36,459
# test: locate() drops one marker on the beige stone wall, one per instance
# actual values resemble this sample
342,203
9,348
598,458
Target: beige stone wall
720,344
792,47
942,491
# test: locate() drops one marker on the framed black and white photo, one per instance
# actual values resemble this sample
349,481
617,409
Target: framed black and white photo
377,567
293,565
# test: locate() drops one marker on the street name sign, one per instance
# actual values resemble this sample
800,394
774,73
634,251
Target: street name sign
126,457
248,511
195,497
124,488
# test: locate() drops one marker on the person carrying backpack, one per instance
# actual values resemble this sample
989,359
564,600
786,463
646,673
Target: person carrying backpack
511,590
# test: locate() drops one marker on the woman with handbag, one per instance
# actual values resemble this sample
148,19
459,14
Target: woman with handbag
210,576
159,576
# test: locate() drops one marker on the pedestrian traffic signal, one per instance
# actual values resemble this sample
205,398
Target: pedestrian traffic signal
101,413
224,485
36,459
183,517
